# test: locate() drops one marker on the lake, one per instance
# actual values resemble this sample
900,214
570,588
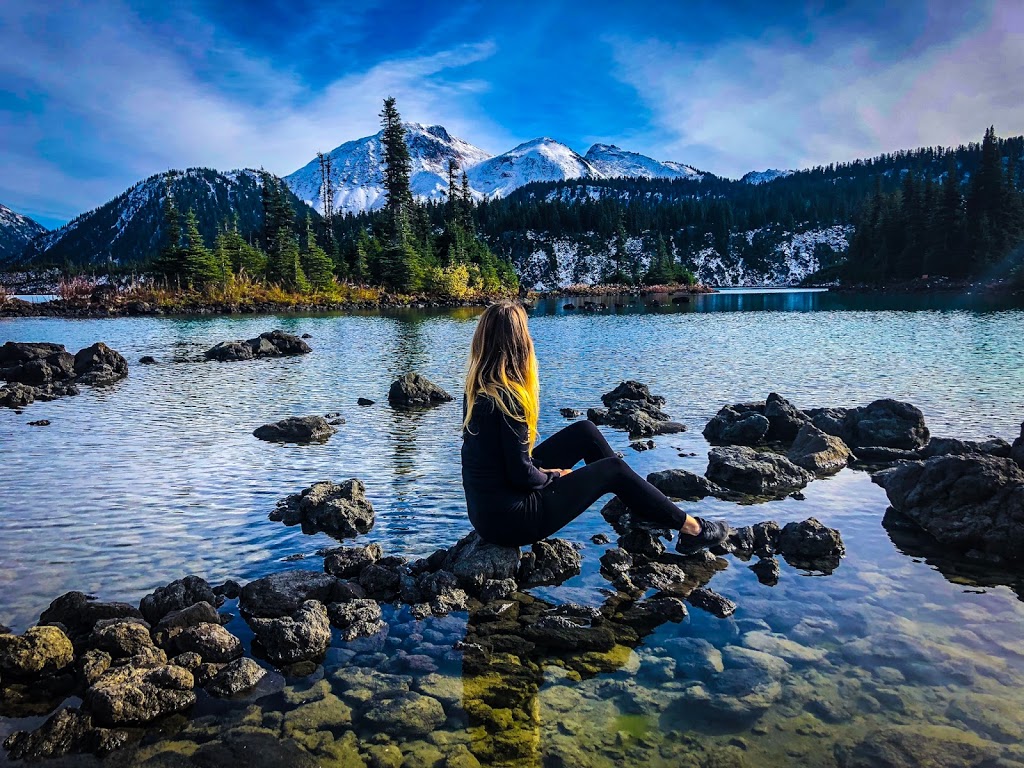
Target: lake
159,476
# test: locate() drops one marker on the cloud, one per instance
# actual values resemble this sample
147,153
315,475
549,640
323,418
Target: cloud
779,102
104,98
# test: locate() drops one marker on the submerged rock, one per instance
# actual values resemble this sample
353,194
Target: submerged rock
745,470
405,712
680,484
272,344
303,636
339,510
126,695
296,429
969,503
935,746
740,424
811,546
551,561
712,602
818,451
40,650
412,389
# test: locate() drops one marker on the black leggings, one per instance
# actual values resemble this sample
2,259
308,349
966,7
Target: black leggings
567,497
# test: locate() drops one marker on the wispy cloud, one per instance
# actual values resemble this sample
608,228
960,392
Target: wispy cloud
782,102
105,98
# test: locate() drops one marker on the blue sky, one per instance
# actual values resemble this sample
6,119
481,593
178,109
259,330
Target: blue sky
101,94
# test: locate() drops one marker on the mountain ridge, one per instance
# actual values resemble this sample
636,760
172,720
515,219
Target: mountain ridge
16,232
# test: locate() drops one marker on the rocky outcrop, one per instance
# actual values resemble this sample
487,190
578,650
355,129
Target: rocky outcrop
271,344
811,546
632,407
296,429
745,470
884,424
179,594
740,424
128,695
785,420
414,390
303,636
680,484
48,371
39,651
282,594
973,504
819,452
339,510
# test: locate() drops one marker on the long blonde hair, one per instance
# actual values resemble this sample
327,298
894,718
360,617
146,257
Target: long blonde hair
503,366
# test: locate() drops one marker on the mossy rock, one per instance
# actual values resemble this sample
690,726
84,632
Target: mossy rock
40,650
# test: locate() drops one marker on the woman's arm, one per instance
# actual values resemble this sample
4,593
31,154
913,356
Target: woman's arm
519,468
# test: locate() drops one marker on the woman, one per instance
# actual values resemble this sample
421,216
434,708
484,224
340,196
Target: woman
517,494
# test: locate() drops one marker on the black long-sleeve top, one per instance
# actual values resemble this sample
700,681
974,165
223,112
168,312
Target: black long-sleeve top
497,470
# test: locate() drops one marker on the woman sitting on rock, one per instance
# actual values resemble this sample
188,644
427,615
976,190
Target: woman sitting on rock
518,493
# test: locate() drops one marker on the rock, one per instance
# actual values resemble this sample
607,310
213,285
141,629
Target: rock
40,423
175,622
784,419
781,647
356,618
179,594
147,360
680,484
570,413
551,561
365,401
474,561
875,455
498,589
348,562
67,731
948,446
15,395
964,502
740,424
240,676
639,419
382,580
229,589
407,713
78,613
642,542
767,571
1017,450
745,470
743,693
338,510
125,695
282,594
39,651
642,445
712,602
766,537
885,423
304,636
935,746
694,657
600,538
14,353
92,664
99,365
811,545
211,641
631,390
272,344
567,634
296,429
122,638
412,389
819,452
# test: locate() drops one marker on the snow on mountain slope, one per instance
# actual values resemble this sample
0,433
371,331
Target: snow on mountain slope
763,177
16,231
612,161
537,160
357,168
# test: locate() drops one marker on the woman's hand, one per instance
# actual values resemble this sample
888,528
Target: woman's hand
560,472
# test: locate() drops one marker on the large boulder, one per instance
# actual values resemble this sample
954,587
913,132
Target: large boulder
745,470
127,695
348,562
474,561
811,545
784,419
551,561
174,623
412,389
14,353
78,613
123,638
740,424
211,641
631,390
39,651
970,503
680,484
296,429
886,423
819,452
272,344
339,510
99,365
180,593
281,594
303,636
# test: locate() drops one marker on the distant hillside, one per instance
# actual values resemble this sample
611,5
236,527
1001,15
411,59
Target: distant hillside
16,232
128,230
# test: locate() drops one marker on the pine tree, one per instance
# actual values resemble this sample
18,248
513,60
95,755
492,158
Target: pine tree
170,263
316,264
201,268
284,265
397,169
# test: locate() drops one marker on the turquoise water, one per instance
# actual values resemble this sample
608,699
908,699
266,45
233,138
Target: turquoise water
136,485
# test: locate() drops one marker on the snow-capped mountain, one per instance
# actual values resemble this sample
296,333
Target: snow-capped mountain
612,161
537,160
357,168
763,177
130,228
16,231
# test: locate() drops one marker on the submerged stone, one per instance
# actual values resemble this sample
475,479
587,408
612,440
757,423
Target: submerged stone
296,429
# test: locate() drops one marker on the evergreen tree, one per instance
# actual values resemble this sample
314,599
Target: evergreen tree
400,261
316,264
170,263
284,265
201,268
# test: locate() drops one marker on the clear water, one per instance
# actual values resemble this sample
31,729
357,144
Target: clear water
136,485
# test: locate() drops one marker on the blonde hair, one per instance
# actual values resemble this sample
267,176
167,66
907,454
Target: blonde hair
503,366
